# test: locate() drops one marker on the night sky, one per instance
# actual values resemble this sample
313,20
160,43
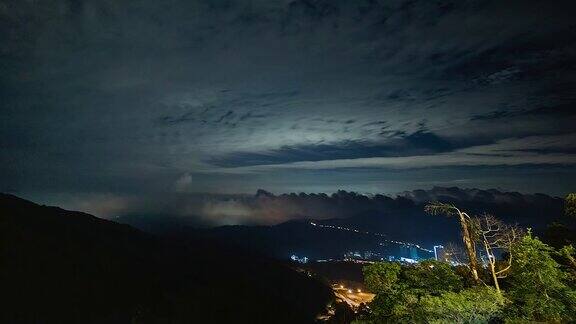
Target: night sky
108,104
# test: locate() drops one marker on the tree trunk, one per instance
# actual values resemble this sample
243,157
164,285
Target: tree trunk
492,263
470,249
495,277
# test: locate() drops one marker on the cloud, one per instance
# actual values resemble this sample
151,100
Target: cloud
183,182
415,144
519,151
104,97
228,212
266,208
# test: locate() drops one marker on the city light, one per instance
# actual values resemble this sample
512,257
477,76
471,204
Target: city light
295,258
369,233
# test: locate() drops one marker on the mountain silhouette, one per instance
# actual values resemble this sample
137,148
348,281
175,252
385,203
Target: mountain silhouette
59,266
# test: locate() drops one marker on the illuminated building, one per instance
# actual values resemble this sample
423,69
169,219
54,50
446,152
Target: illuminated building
439,253
298,259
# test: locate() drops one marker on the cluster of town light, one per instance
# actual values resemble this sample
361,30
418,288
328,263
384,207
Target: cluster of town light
370,233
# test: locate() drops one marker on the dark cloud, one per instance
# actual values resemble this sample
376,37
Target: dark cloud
558,111
418,143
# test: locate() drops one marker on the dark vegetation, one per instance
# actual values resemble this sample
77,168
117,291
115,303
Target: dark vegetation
58,266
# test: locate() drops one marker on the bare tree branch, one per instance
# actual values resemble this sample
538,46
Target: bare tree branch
496,237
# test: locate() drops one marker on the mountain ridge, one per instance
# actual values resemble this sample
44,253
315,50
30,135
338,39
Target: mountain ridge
60,266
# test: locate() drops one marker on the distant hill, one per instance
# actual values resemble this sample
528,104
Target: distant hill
398,218
404,218
58,266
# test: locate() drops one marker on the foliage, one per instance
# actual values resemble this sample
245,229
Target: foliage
381,277
474,305
426,277
400,289
537,285
559,235
393,300
570,205
397,306
430,277
562,232
440,208
537,289
464,272
568,254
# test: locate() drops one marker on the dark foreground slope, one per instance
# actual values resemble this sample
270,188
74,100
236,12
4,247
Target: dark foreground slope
58,266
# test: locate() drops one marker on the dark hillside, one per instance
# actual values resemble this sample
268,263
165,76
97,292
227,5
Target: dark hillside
60,266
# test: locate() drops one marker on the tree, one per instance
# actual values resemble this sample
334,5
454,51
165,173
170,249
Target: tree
430,277
399,289
381,277
537,285
570,205
473,305
438,208
568,253
562,232
392,301
428,292
496,237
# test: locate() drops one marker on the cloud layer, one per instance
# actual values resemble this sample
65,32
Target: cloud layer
161,98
